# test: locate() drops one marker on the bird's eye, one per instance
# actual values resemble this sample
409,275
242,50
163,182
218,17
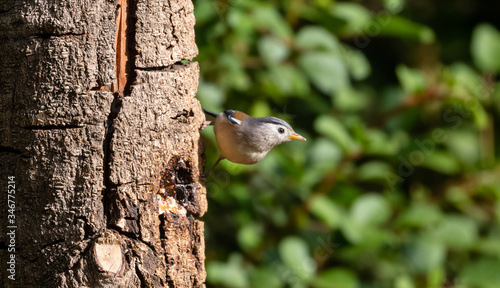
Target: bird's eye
281,130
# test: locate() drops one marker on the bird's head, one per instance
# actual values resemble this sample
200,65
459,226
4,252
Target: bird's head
271,131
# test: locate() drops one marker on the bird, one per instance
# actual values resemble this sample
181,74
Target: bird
247,140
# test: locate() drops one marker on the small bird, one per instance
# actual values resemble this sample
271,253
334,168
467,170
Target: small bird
246,140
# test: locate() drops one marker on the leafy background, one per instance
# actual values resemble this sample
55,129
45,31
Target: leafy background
398,184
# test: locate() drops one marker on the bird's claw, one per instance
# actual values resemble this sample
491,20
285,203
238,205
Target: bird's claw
206,124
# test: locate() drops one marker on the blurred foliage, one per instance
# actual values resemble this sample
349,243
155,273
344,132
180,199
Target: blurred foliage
398,184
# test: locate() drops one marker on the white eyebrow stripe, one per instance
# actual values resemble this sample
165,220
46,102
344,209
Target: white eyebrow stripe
275,121
232,119
229,115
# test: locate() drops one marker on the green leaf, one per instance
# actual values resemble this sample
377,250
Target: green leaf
464,144
411,80
391,25
295,254
326,210
240,22
288,80
250,236
441,162
374,171
488,246
356,63
332,128
424,254
336,278
325,70
394,6
457,195
353,231
420,215
482,274
404,281
350,100
480,115
370,209
267,17
316,38
485,45
469,88
456,231
230,274
355,16
272,50
323,155
471,92
264,277
466,80
378,143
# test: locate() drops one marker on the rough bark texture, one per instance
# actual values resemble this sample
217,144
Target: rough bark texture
96,167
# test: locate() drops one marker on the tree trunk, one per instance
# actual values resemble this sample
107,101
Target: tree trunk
99,145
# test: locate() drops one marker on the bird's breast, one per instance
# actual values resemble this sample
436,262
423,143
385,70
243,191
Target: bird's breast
234,144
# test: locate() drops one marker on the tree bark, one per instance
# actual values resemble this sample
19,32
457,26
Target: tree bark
99,135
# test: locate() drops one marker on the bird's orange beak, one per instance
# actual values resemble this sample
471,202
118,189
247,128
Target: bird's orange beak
296,136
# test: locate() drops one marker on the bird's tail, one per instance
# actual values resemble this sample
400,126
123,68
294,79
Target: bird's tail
213,114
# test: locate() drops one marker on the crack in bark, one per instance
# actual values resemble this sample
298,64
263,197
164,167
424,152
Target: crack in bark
108,185
6,149
162,229
172,22
131,235
105,88
142,279
158,68
144,184
163,68
124,184
49,35
125,62
7,11
182,113
55,242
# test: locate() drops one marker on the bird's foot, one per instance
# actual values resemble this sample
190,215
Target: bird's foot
206,124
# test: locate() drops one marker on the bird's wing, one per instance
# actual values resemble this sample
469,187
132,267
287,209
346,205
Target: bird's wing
235,116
